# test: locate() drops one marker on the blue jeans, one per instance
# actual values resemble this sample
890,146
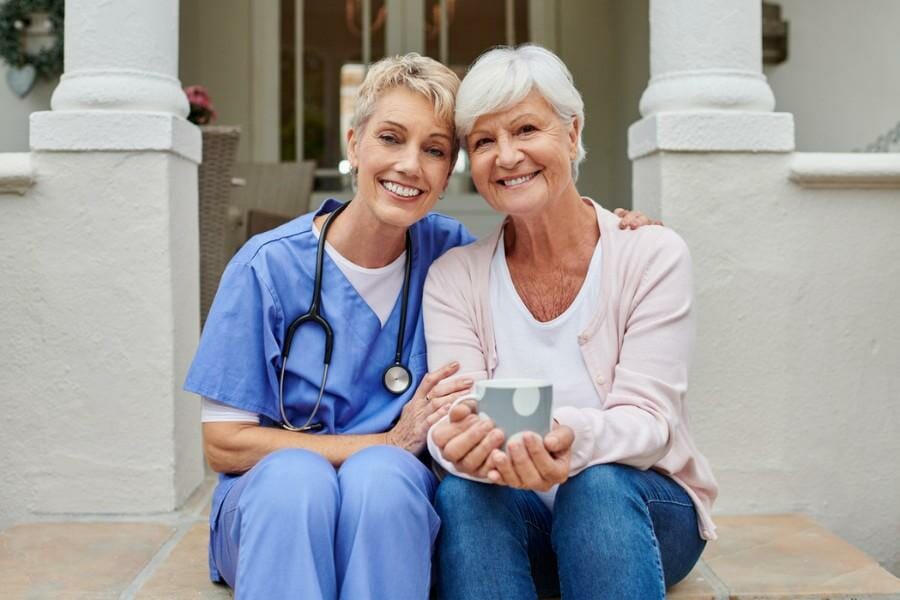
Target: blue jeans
294,527
614,532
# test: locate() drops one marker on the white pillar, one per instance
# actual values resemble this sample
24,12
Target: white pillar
121,58
706,90
706,55
121,55
106,304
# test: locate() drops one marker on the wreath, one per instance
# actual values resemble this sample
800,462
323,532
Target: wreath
15,16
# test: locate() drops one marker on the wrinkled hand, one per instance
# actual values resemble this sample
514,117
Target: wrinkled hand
430,402
632,219
532,463
466,440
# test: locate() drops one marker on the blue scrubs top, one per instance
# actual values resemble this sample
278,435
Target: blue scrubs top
265,287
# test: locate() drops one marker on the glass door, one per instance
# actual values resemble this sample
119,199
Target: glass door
325,47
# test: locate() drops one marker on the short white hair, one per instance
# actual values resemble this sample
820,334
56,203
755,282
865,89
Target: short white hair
503,76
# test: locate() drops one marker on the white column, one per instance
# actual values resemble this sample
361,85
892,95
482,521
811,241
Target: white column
120,57
104,312
706,55
707,90
405,27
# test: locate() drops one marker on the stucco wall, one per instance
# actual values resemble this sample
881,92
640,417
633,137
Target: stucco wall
14,112
606,46
231,48
842,77
215,51
795,395
98,317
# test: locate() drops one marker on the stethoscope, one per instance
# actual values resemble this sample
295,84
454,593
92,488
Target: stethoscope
397,377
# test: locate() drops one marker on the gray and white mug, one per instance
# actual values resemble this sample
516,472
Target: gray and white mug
515,405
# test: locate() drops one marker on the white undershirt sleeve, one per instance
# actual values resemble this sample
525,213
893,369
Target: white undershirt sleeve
216,412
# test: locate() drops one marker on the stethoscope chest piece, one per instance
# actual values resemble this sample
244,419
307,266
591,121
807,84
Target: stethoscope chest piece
397,379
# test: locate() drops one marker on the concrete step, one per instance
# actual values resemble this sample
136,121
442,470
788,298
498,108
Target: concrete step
756,557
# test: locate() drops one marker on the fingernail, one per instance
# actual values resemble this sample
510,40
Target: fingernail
454,364
467,382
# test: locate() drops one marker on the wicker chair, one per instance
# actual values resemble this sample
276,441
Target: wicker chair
215,175
267,195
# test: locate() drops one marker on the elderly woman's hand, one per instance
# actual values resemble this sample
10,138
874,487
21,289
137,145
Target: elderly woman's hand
532,463
634,218
431,401
467,440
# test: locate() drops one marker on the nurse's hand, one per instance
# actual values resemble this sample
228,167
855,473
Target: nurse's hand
533,463
467,440
430,402
632,219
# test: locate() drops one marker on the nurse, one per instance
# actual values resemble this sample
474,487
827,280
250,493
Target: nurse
342,509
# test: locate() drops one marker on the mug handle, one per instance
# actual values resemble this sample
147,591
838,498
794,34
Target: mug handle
463,399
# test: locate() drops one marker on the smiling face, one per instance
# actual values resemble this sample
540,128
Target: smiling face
521,158
403,157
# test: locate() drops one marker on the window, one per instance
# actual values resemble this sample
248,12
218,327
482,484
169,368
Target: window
337,46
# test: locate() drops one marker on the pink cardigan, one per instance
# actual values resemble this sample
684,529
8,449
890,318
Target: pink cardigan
637,348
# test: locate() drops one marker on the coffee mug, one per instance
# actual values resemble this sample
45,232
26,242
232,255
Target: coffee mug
515,405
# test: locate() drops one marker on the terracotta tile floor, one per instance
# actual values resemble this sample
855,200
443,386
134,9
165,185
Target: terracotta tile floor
164,557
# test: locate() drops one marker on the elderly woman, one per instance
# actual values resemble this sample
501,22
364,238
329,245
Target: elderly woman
614,501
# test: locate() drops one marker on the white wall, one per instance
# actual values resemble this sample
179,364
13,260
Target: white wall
217,50
795,392
99,317
605,44
14,111
842,76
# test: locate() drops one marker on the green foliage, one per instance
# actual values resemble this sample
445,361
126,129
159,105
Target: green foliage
49,61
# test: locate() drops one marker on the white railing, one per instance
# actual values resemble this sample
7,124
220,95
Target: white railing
16,173
850,170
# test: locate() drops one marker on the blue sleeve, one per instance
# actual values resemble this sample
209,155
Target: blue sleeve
464,237
450,234
239,350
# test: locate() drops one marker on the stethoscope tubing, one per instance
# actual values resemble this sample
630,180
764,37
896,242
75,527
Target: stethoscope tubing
397,372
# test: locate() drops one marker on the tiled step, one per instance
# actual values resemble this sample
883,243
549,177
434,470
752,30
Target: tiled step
786,557
756,557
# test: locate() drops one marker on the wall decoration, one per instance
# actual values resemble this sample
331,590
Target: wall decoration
31,41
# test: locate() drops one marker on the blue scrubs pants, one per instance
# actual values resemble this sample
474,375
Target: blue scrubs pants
294,527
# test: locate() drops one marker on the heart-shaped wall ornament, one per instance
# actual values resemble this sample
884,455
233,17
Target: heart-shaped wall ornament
21,80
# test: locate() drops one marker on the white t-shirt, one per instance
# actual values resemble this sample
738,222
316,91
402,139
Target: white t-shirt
379,287
529,348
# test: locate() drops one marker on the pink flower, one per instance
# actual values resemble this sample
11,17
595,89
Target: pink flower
202,109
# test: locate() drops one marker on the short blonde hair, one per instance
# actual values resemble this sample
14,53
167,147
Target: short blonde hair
415,72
